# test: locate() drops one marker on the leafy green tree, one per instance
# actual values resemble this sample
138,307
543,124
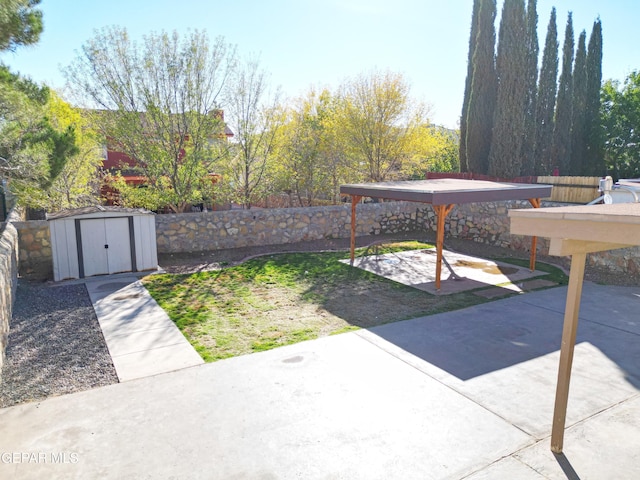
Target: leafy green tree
159,103
379,123
546,100
594,158
20,23
482,98
255,117
561,149
304,166
467,87
33,150
578,127
621,126
512,95
528,142
78,183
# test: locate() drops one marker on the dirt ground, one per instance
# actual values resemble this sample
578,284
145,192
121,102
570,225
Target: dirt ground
202,261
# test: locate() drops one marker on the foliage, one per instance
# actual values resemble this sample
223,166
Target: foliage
467,87
75,165
511,99
34,148
621,124
561,148
482,98
578,127
546,99
379,123
20,23
531,80
305,166
594,158
160,102
255,119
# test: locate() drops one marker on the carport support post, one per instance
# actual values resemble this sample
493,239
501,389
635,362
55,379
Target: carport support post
355,199
569,330
535,203
441,214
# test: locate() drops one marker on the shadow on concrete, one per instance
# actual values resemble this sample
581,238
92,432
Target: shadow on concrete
566,467
472,342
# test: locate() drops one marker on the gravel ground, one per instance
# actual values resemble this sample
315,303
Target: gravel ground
55,345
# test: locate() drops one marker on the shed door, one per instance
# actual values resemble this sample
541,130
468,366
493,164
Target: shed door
106,246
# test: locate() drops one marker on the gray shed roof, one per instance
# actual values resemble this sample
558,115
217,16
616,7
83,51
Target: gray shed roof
72,212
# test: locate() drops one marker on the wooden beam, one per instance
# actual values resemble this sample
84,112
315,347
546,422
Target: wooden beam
355,199
569,331
562,247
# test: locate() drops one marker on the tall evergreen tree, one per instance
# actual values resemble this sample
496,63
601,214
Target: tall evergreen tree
561,150
578,133
546,99
511,100
594,157
527,162
482,98
467,87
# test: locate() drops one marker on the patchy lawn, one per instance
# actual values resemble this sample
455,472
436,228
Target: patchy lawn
282,299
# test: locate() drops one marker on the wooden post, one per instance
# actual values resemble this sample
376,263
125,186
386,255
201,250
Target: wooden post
441,214
354,201
569,331
535,203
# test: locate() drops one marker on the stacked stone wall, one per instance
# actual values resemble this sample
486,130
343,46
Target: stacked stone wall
196,232
8,283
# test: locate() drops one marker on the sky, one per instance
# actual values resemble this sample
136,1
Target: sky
321,43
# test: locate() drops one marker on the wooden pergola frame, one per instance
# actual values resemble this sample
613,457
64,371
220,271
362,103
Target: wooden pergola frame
443,195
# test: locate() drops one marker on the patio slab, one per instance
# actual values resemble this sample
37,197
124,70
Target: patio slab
417,268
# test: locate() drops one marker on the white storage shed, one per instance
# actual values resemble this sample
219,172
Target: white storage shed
102,240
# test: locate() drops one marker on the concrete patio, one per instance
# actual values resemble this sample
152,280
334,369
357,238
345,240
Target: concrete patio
466,394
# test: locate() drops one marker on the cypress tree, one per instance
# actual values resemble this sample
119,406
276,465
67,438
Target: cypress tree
482,98
546,99
578,133
467,87
511,100
561,149
527,162
594,158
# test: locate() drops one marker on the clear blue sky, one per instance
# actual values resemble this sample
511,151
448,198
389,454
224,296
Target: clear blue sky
321,42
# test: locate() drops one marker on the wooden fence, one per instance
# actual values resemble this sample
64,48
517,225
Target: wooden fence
580,190
565,189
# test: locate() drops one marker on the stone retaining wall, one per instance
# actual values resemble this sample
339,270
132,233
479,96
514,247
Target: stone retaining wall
8,282
34,245
195,232
198,232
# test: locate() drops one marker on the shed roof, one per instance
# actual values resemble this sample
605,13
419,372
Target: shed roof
73,212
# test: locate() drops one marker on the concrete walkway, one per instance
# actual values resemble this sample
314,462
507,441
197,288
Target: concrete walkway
140,336
461,395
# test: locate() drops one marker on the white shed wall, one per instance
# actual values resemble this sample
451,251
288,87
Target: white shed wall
144,227
65,248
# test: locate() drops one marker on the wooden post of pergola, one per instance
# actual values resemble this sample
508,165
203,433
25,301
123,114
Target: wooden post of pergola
441,214
355,199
